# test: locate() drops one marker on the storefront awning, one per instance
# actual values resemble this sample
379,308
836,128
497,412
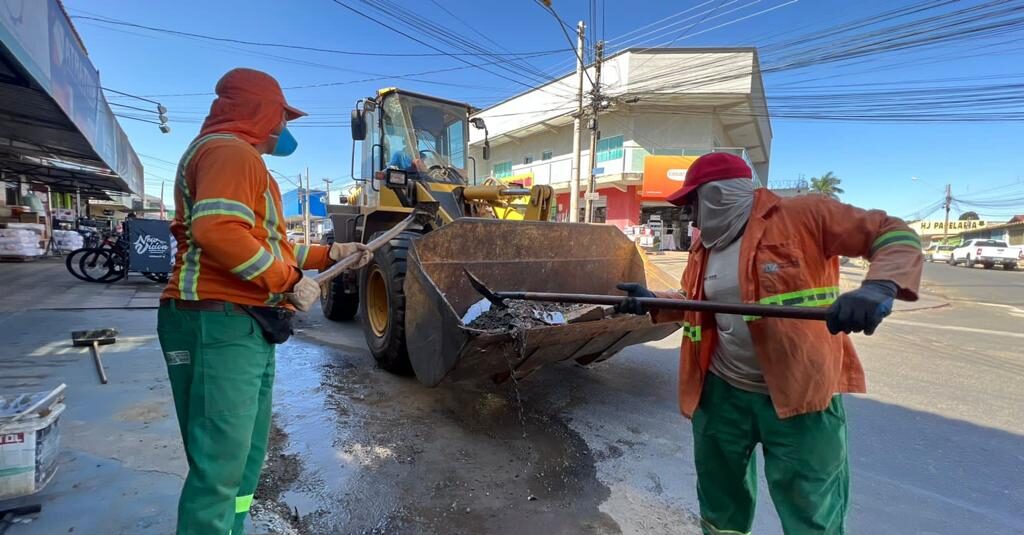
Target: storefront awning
56,127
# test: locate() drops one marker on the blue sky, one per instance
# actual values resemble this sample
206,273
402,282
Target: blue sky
875,161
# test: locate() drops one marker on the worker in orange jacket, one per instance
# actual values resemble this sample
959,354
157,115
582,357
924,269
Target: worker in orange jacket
235,284
777,382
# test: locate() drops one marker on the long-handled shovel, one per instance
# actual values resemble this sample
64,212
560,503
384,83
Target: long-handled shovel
423,213
745,309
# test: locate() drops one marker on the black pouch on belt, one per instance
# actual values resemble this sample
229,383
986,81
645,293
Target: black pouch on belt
276,323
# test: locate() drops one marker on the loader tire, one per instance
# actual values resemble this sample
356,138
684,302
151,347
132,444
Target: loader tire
382,304
338,305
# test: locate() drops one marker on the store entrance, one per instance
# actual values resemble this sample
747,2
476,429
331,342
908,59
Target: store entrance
670,223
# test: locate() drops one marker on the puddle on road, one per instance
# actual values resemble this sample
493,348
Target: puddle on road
384,454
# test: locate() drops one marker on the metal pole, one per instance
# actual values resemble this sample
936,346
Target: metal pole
163,207
949,199
327,191
595,133
78,204
577,126
305,225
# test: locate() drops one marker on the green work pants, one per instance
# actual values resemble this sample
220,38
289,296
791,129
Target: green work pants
805,462
221,371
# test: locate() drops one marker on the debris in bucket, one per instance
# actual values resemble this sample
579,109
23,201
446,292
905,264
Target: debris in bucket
519,314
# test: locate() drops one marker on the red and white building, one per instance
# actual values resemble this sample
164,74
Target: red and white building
666,107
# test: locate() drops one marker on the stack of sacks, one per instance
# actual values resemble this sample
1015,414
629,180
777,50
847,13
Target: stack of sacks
67,240
19,242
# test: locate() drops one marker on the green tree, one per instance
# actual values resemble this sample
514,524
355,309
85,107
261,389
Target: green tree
827,184
969,216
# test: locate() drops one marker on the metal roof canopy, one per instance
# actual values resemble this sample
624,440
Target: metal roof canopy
39,142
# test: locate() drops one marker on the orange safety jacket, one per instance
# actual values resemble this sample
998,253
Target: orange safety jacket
790,256
229,228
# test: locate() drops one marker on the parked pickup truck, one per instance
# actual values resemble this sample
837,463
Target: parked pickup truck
987,253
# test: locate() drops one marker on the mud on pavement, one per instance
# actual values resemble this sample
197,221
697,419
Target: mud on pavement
383,454
280,471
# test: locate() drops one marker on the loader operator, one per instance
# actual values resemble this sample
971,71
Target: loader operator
231,295
777,382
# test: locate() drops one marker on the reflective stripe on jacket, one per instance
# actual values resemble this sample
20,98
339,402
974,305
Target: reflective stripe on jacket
790,256
229,228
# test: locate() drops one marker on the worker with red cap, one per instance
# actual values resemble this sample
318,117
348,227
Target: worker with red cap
233,290
748,380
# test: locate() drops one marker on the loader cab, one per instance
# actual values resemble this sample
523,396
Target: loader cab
423,137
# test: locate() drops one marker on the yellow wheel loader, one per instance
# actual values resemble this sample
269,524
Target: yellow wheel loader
411,299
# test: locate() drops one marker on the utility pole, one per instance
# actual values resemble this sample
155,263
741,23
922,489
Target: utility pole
305,229
949,200
327,191
595,133
163,213
577,127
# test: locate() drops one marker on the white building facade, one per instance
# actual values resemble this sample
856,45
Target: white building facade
665,107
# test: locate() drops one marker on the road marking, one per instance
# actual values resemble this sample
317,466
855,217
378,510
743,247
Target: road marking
1014,311
954,328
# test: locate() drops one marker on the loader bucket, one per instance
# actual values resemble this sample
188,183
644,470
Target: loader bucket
518,255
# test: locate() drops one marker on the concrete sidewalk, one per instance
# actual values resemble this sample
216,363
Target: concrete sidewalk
121,464
46,284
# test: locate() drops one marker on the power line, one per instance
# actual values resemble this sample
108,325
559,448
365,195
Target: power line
424,43
408,76
389,9
116,92
117,22
138,119
562,26
161,160
133,107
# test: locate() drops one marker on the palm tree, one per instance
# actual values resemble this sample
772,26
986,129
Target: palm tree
827,184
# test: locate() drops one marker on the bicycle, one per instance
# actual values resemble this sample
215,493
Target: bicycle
106,262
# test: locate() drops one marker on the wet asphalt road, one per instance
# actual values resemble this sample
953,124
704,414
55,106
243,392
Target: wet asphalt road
936,446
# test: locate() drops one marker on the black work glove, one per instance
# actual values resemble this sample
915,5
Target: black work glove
630,305
862,309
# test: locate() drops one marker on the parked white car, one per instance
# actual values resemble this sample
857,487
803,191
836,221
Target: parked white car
988,253
938,253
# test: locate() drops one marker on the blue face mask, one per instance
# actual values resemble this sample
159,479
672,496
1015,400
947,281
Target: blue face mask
285,145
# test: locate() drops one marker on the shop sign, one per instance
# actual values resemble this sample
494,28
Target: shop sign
663,175
150,241
927,228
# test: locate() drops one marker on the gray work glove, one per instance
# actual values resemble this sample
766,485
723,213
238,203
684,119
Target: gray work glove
304,294
630,305
862,309
340,251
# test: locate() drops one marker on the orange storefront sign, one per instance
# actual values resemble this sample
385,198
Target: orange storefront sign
663,175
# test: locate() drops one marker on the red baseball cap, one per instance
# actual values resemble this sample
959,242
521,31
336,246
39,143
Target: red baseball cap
709,168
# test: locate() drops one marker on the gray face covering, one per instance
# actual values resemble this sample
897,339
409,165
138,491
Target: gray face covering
723,208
